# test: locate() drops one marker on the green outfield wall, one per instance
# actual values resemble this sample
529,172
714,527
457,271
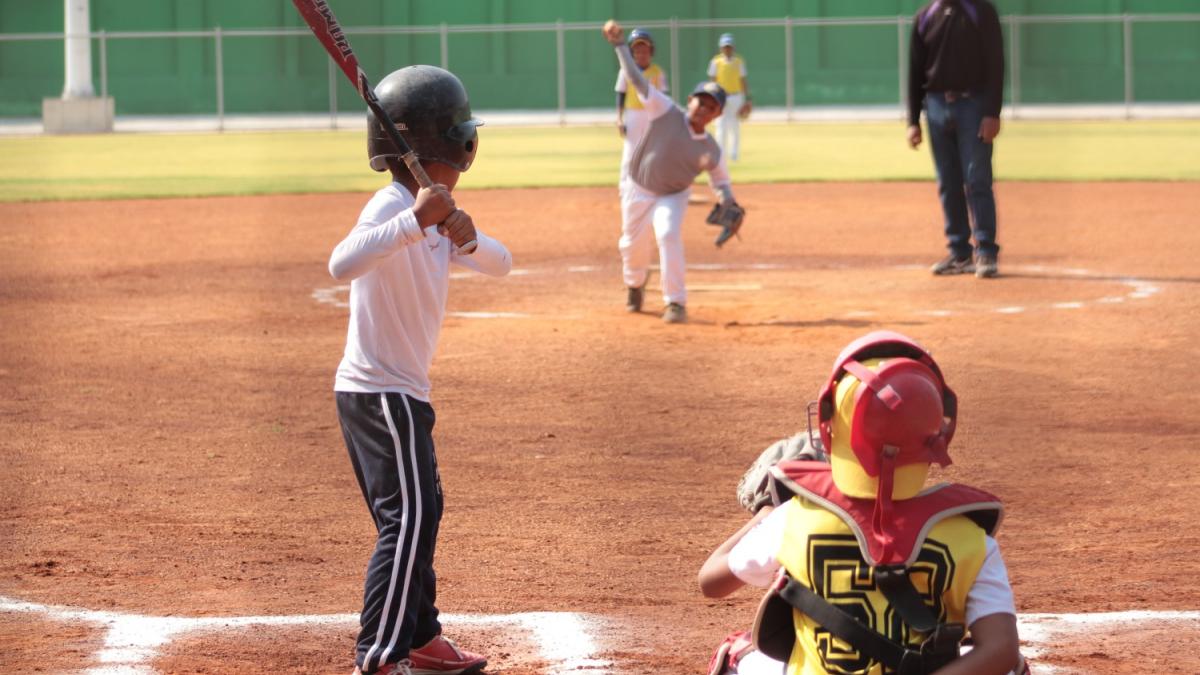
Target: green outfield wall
1051,61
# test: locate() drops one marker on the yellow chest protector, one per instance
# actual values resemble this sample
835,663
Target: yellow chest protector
826,550
826,559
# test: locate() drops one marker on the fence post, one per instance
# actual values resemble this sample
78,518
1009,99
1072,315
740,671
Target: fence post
103,64
560,50
901,61
444,46
789,68
674,58
220,81
1127,30
331,77
1014,63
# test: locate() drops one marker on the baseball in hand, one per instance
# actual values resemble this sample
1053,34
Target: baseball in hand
612,32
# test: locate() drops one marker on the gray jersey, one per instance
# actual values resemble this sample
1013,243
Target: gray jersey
671,155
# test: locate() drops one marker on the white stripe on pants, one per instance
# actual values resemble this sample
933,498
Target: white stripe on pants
408,517
644,213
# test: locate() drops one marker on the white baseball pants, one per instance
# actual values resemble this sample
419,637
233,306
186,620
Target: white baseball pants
643,213
729,126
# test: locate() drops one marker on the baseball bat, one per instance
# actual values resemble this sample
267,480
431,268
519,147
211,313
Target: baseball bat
324,25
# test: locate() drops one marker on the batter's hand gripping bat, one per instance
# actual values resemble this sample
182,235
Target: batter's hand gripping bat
325,26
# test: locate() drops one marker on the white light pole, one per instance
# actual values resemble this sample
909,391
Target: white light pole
78,110
78,43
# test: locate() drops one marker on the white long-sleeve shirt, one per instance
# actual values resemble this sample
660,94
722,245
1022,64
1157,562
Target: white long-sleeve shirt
399,277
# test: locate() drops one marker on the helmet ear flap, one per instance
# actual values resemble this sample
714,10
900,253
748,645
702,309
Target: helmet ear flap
430,107
886,345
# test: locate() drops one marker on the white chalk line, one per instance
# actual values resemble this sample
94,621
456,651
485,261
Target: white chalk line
131,642
1138,289
1039,632
563,638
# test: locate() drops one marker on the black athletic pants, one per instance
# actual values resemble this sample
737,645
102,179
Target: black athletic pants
390,439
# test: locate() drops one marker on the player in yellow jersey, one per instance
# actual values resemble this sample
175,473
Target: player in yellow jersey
729,70
871,571
631,113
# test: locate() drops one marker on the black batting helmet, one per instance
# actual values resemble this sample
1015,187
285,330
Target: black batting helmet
429,106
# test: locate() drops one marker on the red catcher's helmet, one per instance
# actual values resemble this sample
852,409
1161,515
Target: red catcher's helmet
903,414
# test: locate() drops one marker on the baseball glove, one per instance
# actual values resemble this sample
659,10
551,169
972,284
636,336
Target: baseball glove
727,216
754,490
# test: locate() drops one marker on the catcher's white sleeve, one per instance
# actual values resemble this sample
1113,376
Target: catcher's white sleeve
754,559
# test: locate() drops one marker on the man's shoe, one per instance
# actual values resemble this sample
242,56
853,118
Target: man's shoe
633,300
985,266
952,264
675,313
442,657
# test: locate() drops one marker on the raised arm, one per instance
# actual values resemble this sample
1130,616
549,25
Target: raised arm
616,37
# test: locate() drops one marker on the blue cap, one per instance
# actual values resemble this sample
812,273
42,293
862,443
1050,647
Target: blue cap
640,35
726,40
711,89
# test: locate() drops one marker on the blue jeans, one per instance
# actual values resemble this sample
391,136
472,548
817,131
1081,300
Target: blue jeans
964,168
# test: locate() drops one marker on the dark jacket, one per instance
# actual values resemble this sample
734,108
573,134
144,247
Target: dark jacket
956,46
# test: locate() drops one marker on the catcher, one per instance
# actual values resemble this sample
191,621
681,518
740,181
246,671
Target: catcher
869,571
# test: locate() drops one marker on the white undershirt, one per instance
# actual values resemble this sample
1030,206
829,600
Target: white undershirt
399,277
755,560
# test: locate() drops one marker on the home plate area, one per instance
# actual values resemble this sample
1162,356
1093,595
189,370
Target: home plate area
539,642
529,642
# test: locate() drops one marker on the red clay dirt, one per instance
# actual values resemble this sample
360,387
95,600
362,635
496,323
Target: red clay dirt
171,448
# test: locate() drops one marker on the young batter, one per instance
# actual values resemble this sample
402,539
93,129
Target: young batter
397,261
674,150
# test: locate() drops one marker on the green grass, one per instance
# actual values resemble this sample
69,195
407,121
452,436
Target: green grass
114,166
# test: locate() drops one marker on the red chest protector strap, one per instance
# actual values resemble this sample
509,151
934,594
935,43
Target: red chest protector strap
911,521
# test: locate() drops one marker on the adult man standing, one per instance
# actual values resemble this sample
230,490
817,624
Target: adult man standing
729,70
956,68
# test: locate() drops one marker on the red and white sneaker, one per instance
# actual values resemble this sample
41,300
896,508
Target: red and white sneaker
442,657
397,668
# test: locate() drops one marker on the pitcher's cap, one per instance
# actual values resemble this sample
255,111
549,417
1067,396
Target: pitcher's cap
711,89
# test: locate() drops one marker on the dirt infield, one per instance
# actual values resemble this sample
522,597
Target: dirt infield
171,448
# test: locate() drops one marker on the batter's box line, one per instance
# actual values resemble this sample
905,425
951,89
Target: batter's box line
1137,289
562,639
